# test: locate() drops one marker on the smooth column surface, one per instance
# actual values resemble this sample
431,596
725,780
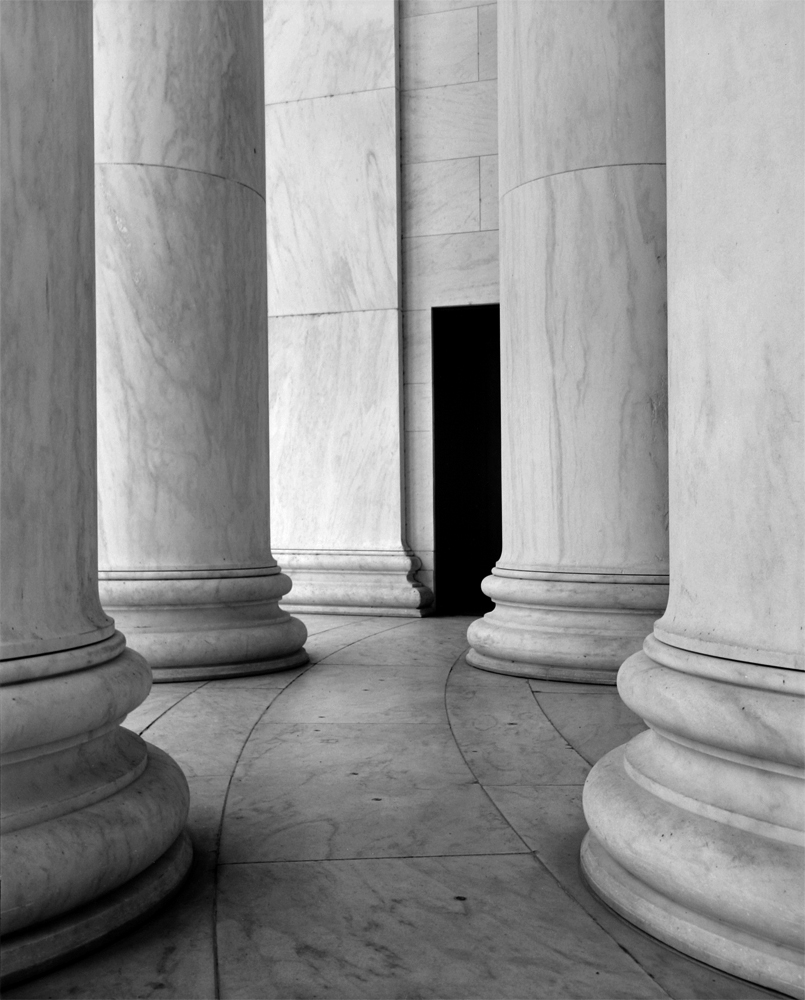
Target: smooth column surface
583,571
697,825
186,563
92,816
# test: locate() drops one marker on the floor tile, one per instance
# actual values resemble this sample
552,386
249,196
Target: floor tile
277,679
416,642
323,644
344,693
205,733
161,699
503,734
426,927
346,791
323,623
551,821
592,725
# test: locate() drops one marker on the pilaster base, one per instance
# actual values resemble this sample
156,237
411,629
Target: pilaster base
203,625
562,626
355,583
35,951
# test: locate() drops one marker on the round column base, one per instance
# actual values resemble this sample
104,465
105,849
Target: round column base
206,625
715,943
34,951
221,671
564,627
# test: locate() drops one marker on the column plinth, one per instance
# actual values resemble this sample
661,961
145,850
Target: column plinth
91,816
185,557
583,571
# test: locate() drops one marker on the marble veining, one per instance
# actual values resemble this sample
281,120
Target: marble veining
332,241
586,381
49,587
353,435
590,76
176,388
198,106
312,48
449,122
442,197
738,442
460,269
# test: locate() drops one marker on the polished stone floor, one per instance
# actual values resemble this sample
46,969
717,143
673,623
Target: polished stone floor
387,822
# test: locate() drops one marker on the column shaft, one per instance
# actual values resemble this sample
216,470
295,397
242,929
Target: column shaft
185,557
92,816
697,825
583,570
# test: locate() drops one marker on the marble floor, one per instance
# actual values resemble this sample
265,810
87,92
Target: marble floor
387,822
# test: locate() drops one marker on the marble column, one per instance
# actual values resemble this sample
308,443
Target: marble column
185,557
334,295
696,826
92,816
583,572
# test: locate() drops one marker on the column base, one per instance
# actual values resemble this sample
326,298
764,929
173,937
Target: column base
203,625
709,941
696,825
36,951
564,627
355,583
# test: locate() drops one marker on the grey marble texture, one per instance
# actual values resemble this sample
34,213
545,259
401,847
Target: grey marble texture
327,34
50,555
193,108
440,49
456,883
334,383
182,408
589,75
332,242
586,382
738,362
460,269
451,121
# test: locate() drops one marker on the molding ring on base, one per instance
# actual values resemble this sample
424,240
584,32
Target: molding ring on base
213,671
720,945
34,951
542,671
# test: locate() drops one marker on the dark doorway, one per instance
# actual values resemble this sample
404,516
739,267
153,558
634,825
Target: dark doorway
466,455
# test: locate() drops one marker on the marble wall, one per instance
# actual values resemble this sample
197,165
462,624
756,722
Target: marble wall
449,147
332,188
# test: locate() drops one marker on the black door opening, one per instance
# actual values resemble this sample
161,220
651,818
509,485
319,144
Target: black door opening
466,455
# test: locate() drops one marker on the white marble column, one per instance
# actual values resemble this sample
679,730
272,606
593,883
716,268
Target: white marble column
92,816
583,572
334,289
185,558
697,825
